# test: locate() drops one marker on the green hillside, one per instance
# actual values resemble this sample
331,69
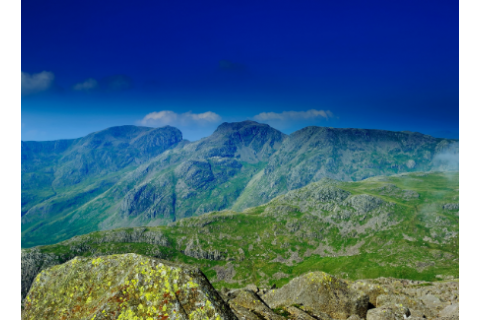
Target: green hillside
136,176
403,226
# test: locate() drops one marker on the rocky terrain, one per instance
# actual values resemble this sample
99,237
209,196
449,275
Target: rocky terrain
123,287
132,286
402,226
136,176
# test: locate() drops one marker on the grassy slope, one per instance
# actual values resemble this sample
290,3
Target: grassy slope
428,252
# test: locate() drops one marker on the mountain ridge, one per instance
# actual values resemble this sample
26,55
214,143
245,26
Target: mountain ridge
132,176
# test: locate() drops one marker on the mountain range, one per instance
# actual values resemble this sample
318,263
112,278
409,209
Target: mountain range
137,176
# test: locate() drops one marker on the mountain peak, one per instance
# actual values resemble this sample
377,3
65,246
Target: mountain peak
235,126
249,140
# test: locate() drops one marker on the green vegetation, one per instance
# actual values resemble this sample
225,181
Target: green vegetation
402,226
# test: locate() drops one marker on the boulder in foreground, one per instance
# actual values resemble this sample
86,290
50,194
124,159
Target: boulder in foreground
127,286
318,292
389,312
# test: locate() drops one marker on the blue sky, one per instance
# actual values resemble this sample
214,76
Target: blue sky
90,65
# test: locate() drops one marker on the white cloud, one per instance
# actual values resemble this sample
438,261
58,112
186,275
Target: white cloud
88,84
293,115
37,82
167,117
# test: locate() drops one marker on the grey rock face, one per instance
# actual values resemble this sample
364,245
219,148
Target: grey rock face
33,261
319,292
196,174
300,314
451,310
149,200
250,300
364,203
415,306
390,312
194,249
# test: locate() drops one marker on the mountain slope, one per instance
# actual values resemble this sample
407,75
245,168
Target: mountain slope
403,226
59,176
190,179
312,153
136,176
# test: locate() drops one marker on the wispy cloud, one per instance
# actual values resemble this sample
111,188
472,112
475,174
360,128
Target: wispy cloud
448,158
167,117
36,82
294,115
87,85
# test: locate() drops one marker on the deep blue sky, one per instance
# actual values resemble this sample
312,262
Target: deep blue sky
372,64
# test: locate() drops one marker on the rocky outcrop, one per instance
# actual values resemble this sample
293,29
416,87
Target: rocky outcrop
393,190
452,310
415,306
33,261
124,287
130,285
389,312
251,301
387,299
422,299
135,235
364,203
195,250
320,292
451,206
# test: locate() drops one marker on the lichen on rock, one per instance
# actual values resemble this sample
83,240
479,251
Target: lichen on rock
127,286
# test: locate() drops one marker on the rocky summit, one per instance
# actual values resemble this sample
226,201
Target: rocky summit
132,286
137,176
